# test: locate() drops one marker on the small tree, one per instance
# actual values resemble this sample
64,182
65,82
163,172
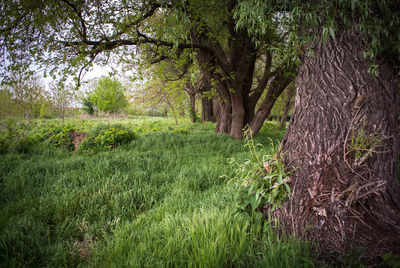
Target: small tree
62,97
88,105
108,96
28,93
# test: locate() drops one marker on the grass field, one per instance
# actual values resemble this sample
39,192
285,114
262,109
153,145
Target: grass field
159,201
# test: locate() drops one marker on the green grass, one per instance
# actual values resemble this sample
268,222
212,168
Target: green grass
159,201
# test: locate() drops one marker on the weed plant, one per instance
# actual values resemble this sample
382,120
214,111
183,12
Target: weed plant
261,179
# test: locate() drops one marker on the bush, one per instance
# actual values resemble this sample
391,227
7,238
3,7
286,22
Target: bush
4,143
54,134
261,179
103,137
16,137
88,105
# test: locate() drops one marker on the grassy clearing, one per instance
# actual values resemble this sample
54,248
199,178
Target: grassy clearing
159,201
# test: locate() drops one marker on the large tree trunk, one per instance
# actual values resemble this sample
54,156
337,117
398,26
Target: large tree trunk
238,114
344,191
224,114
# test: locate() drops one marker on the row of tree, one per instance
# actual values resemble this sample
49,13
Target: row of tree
28,97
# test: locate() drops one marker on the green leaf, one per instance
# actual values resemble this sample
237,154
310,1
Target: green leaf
332,32
254,202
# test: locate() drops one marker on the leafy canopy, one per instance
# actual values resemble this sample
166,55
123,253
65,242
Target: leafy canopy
109,95
377,21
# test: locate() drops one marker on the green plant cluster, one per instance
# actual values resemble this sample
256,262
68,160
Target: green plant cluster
261,179
194,116
54,134
24,136
363,144
15,137
106,136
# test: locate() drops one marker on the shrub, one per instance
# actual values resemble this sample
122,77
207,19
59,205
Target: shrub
260,180
88,105
16,137
4,143
103,137
54,134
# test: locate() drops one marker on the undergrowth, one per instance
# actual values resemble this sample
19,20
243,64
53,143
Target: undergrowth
106,136
156,202
260,180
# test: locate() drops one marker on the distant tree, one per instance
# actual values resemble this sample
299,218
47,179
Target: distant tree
8,106
108,96
28,93
62,96
88,105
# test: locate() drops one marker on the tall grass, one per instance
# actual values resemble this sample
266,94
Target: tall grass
156,202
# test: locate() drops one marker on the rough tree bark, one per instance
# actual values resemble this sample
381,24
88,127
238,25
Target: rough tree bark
344,192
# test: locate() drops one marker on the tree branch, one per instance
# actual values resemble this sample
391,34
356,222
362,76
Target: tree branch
262,83
82,21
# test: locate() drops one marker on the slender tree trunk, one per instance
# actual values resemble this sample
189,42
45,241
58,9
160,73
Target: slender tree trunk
343,145
173,111
291,90
192,107
207,109
275,90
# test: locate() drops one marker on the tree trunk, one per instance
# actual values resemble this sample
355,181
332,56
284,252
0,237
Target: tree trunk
192,107
343,145
289,102
224,119
207,105
207,109
238,114
276,88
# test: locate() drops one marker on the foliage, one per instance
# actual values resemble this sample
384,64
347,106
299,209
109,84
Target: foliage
363,144
25,96
108,96
88,105
8,105
261,179
103,137
377,21
27,136
62,97
15,137
55,134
